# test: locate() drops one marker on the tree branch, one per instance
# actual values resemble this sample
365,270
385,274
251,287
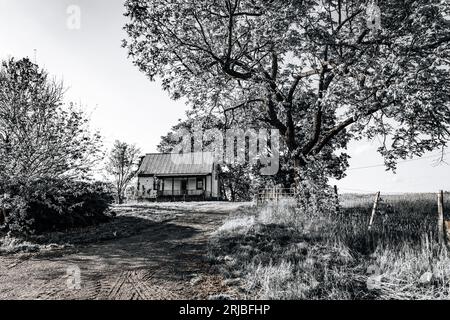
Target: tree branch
344,124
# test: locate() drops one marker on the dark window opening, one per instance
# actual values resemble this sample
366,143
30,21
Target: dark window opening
199,183
183,186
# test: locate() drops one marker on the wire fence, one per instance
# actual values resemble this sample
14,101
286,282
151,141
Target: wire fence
374,216
274,194
401,217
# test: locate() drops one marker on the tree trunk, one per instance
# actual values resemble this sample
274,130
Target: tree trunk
297,173
2,216
232,192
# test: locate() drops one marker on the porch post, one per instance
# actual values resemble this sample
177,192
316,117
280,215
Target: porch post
173,182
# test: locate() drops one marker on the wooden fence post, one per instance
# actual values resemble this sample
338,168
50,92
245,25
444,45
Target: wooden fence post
440,221
336,194
374,209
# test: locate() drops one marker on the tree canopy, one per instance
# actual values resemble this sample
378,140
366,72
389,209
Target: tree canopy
319,71
122,164
41,136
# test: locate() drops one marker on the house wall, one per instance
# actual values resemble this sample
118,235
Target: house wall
168,184
208,184
145,187
211,183
176,184
191,184
147,182
215,183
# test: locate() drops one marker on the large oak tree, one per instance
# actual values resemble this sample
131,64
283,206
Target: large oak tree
319,71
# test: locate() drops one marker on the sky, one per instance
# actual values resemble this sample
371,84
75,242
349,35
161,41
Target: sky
123,104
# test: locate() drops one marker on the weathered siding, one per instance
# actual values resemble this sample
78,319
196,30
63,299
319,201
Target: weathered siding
210,186
191,183
215,183
147,182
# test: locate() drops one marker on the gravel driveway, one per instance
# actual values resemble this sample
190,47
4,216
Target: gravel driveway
164,259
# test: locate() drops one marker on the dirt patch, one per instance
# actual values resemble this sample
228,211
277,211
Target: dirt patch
146,252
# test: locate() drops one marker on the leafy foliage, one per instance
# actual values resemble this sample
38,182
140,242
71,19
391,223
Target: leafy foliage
122,166
39,135
44,204
315,70
236,179
46,155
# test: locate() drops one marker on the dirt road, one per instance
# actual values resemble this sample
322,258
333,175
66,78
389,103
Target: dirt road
164,260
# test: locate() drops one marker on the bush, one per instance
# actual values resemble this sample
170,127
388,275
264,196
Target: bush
43,205
237,225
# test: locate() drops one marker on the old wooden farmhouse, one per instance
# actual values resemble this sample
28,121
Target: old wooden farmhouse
161,176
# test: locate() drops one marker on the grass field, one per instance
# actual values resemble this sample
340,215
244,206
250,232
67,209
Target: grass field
277,252
238,250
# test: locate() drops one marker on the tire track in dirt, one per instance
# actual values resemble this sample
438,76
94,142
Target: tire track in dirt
93,290
135,285
157,263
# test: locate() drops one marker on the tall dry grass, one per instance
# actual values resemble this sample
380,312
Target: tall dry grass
279,252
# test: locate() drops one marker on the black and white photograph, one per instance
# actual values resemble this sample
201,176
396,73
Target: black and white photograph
235,152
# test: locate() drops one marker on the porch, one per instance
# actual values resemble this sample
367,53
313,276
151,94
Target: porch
176,193
183,195
176,188
160,178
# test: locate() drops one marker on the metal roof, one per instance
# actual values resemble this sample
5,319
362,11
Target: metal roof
170,164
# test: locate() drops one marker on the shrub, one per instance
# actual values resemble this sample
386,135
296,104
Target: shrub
237,225
283,212
44,204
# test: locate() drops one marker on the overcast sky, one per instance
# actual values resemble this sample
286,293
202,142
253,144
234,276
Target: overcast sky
125,105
